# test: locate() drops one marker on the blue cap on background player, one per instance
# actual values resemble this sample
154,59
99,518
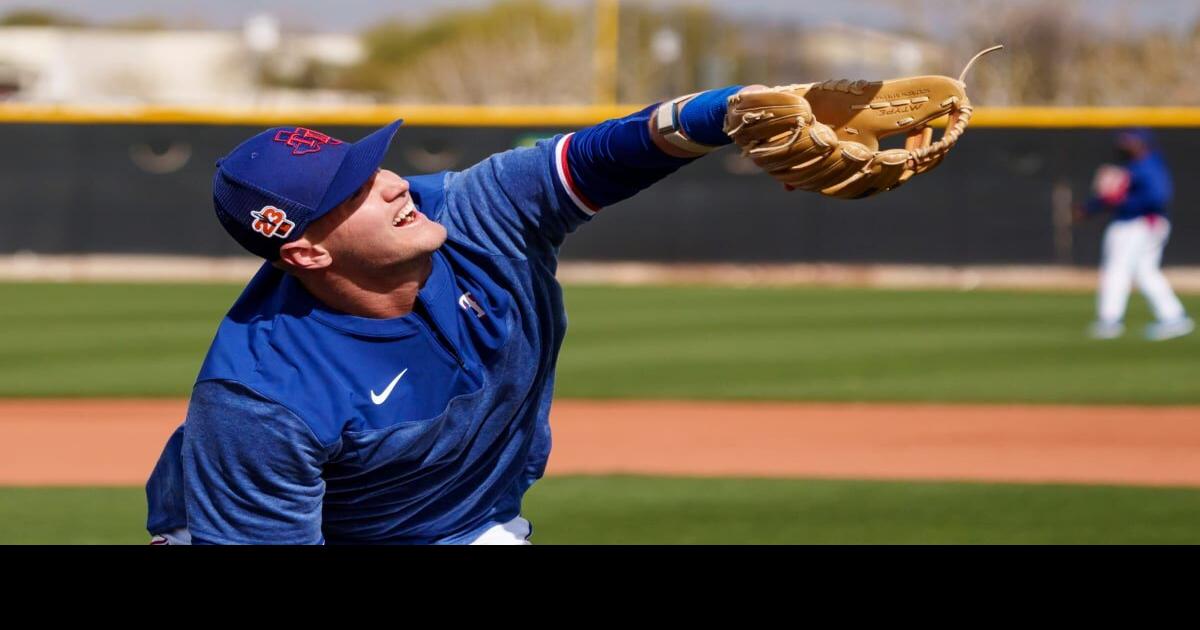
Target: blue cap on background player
271,187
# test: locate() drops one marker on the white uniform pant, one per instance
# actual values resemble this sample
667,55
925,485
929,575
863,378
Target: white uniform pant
1132,252
514,532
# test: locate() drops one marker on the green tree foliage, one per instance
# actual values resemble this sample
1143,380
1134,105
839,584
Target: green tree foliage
514,51
1056,56
38,17
706,51
530,51
142,23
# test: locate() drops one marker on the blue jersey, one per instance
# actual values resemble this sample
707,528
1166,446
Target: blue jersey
308,425
1150,190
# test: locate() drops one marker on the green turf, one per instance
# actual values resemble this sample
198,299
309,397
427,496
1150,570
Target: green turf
72,516
637,510
106,340
869,345
665,342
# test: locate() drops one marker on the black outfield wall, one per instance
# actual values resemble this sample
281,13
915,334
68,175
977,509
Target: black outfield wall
145,188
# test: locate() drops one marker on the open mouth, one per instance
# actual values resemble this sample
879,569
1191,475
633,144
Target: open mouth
407,216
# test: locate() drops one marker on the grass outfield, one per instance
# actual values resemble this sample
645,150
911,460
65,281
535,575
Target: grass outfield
664,342
647,510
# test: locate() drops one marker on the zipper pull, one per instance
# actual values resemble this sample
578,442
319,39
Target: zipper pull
438,335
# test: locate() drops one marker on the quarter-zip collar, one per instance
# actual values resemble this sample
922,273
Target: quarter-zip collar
436,297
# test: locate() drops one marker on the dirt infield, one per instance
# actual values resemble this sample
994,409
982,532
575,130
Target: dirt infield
116,442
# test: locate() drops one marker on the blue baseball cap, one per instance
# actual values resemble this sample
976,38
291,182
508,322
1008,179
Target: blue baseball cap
270,188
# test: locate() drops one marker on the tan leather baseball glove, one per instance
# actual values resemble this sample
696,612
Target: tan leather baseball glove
824,137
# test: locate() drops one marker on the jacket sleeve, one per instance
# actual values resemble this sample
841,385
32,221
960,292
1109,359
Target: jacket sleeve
251,470
533,197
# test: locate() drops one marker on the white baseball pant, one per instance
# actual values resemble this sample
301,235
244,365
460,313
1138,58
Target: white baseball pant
514,532
1133,252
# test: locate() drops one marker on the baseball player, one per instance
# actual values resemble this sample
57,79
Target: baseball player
1138,192
386,376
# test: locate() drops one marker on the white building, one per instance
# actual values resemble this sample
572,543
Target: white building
103,66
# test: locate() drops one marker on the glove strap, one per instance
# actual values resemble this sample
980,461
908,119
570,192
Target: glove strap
666,123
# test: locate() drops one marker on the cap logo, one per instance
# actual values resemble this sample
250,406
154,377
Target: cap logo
271,221
304,140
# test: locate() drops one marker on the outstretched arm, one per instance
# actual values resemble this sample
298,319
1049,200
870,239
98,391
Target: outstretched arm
530,198
820,137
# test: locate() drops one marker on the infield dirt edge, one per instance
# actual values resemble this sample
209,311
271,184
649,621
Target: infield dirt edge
90,442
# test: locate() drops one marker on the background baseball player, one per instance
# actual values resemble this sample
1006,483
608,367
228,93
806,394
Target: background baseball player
386,377
1138,192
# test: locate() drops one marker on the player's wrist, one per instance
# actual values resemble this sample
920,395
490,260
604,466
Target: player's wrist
692,125
703,117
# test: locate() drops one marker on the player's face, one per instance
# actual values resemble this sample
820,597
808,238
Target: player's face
379,227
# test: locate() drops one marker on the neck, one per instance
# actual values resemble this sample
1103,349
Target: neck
381,295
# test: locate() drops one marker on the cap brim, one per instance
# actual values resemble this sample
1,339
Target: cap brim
361,162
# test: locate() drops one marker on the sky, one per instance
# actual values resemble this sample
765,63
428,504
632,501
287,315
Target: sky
355,15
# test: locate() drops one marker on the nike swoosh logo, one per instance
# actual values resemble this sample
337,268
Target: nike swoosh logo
379,398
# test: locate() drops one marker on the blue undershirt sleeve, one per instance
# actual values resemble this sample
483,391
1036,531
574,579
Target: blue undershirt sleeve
251,470
616,159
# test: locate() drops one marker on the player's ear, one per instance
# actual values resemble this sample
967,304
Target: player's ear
304,254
